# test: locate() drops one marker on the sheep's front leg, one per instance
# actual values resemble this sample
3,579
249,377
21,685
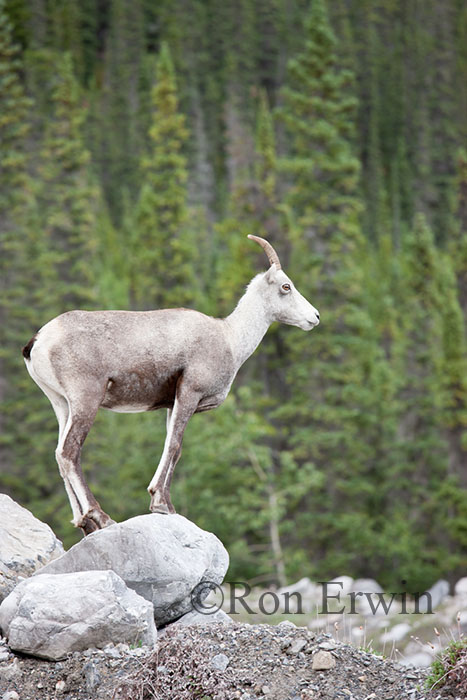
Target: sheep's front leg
159,488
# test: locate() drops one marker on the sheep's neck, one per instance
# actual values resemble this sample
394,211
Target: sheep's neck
247,326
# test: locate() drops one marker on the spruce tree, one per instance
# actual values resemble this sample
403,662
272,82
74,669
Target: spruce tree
423,460
458,244
319,115
16,201
69,199
164,254
454,373
451,495
118,102
15,184
328,417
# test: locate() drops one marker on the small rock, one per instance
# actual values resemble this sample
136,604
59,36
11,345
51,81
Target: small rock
140,651
328,646
397,633
297,646
10,695
323,661
91,675
112,652
60,686
219,662
4,655
266,690
420,658
287,623
11,671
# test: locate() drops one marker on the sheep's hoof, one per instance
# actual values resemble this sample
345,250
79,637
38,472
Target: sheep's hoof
160,502
94,520
159,508
170,507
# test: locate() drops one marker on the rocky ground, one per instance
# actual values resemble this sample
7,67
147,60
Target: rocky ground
218,662
410,639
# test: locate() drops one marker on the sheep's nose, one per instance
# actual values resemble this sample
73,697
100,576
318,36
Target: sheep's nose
317,314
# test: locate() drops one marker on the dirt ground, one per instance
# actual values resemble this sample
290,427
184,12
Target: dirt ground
217,662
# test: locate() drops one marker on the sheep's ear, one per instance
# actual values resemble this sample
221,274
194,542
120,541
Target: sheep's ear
271,274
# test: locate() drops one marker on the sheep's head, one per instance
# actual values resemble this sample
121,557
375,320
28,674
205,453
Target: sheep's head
285,303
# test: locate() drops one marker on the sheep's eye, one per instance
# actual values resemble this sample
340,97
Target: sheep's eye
286,287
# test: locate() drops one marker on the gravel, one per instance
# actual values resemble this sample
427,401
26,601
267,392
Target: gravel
218,662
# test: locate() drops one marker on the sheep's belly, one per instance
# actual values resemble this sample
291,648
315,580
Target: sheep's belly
135,393
128,409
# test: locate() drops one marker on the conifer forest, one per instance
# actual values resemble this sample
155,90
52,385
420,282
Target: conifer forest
140,143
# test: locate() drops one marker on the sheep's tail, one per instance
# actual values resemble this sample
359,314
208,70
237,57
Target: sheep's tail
27,348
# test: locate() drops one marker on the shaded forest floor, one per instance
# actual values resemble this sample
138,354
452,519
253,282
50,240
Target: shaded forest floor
217,662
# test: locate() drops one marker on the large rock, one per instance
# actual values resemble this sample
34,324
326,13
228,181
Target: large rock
366,585
436,594
162,557
342,585
460,588
196,618
26,544
52,615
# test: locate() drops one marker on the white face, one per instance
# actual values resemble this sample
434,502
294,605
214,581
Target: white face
286,302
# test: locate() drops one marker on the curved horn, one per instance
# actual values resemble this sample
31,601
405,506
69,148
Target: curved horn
268,249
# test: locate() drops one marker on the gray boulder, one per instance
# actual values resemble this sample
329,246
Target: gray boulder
366,585
196,618
52,615
161,557
26,544
436,594
460,588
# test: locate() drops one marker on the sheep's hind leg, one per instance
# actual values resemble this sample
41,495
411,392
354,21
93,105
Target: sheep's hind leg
60,406
87,513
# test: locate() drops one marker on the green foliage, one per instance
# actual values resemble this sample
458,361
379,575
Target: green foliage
327,418
118,100
13,117
68,199
448,671
164,252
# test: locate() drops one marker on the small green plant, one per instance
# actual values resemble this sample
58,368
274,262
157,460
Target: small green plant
450,668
